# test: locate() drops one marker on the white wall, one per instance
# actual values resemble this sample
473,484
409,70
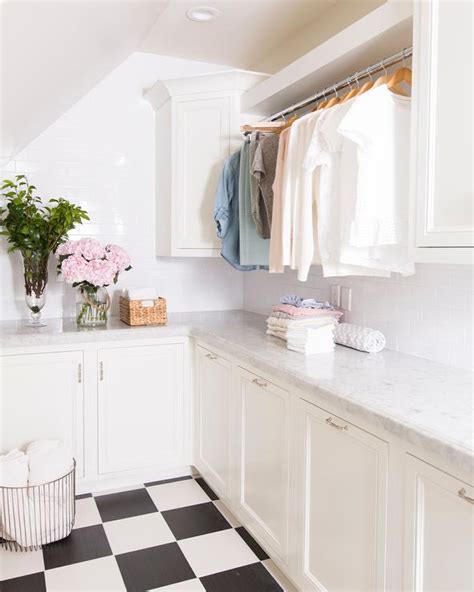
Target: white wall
428,315
100,154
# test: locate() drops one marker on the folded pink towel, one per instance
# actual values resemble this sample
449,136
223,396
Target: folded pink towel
298,312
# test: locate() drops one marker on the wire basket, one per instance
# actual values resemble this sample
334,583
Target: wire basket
36,515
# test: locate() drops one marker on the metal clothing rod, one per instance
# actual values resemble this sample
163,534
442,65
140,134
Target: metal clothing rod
356,77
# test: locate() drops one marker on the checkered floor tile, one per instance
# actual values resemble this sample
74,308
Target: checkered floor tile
167,535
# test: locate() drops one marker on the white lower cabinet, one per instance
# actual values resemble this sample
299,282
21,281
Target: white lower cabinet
42,397
140,407
212,420
342,504
261,494
439,527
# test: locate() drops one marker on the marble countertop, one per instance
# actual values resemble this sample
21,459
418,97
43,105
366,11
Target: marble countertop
426,403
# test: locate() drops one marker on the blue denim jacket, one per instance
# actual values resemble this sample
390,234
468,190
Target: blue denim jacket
226,212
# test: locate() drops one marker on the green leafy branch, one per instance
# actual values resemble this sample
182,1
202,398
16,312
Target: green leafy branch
32,227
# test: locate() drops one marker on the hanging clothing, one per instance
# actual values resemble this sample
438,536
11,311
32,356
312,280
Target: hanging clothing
379,124
255,191
262,169
335,158
379,227
304,251
226,212
253,248
279,214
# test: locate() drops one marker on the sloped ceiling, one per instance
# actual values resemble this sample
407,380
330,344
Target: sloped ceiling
244,32
52,53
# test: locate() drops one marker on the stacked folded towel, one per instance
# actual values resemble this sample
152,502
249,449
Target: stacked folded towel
41,508
295,312
311,340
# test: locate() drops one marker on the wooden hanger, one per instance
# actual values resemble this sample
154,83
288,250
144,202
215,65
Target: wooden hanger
352,93
367,85
382,79
403,74
264,126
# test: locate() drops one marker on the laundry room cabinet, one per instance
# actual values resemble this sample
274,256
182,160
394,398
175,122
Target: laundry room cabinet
42,394
442,139
196,127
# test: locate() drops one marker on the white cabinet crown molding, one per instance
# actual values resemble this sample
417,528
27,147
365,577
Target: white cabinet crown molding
228,80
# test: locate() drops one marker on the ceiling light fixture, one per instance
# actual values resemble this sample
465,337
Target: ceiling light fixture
202,14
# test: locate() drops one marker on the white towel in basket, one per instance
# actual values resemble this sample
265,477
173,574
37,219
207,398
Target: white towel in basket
361,338
48,460
14,469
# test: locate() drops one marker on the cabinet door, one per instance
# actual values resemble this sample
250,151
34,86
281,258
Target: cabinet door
439,526
342,520
141,419
263,460
443,139
203,142
41,397
212,420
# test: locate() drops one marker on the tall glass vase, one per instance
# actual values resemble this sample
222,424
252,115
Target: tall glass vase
35,273
92,306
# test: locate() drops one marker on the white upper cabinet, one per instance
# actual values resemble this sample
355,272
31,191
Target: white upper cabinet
439,527
196,125
42,395
442,178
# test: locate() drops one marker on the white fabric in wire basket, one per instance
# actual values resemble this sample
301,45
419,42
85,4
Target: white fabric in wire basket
361,338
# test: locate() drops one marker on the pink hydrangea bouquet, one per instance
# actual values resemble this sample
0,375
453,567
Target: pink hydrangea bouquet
89,265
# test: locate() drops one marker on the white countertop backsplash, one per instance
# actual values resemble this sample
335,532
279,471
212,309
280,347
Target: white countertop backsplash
426,403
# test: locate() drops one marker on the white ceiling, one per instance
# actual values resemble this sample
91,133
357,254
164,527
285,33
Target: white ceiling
53,52
241,36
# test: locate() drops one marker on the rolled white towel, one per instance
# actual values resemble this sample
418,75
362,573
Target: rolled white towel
48,460
361,338
14,469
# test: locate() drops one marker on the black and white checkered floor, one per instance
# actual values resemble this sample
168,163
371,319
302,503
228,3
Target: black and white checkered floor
169,535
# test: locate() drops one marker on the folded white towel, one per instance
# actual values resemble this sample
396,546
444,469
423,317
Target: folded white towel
142,293
361,338
14,469
309,351
277,333
48,460
308,322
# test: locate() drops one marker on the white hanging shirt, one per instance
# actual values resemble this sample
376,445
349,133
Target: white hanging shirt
336,159
378,122
297,200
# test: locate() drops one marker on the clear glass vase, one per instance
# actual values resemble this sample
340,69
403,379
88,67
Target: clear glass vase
35,273
92,306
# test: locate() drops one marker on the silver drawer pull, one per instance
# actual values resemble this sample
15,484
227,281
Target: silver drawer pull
101,371
462,493
333,424
211,356
260,383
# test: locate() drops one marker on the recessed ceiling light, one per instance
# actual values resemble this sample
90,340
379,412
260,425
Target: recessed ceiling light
202,14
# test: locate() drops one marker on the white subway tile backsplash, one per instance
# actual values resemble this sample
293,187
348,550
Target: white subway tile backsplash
428,314
100,154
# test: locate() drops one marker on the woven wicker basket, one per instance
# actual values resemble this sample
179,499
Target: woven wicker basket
134,313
